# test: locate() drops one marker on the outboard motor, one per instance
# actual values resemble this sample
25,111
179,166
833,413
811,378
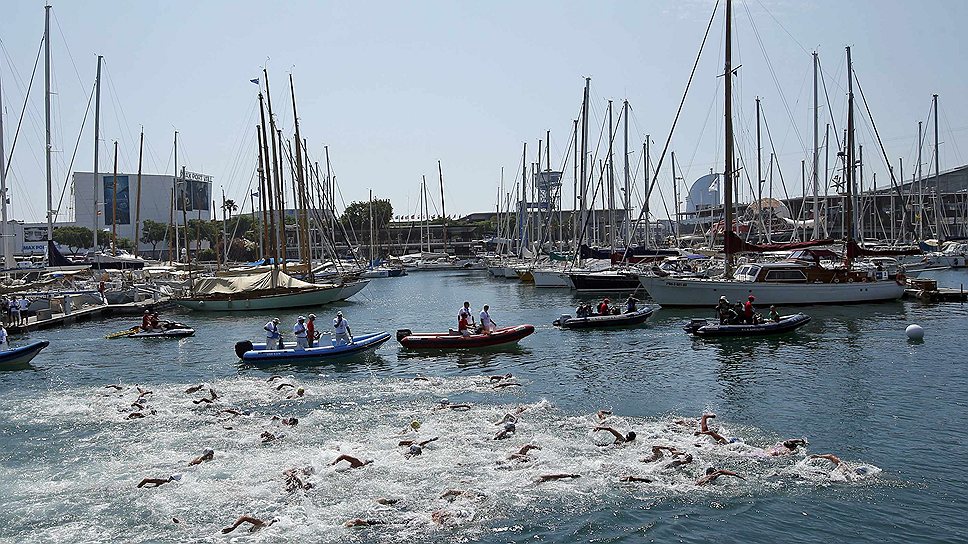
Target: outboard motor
242,347
695,325
564,317
403,333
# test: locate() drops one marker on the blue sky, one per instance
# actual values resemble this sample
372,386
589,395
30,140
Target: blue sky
392,87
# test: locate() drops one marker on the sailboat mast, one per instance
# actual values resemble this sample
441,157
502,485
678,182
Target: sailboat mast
264,238
276,183
759,172
50,201
920,186
627,201
114,205
728,115
584,158
938,209
575,217
443,212
611,181
8,261
97,138
816,151
137,209
849,162
299,198
271,226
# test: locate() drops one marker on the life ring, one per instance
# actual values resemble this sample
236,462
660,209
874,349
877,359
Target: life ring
836,280
850,280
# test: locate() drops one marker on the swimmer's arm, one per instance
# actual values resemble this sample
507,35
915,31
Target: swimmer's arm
828,456
425,442
616,434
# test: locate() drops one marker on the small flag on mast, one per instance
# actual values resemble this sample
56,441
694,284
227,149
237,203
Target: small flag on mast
256,81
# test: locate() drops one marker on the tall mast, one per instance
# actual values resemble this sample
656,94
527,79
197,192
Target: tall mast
646,190
938,208
369,264
50,198
276,183
280,193
522,222
920,187
443,212
759,172
8,261
628,194
301,188
728,114
611,182
675,193
331,194
271,239
174,204
114,205
849,162
575,218
264,238
816,152
137,209
188,249
584,157
97,139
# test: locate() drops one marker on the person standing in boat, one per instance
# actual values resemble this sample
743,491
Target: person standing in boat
487,324
749,313
311,333
603,308
341,330
273,338
465,319
300,332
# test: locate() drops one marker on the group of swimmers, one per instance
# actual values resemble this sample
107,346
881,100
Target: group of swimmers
742,312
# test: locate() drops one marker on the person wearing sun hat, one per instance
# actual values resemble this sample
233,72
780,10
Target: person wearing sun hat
300,332
273,338
341,330
311,333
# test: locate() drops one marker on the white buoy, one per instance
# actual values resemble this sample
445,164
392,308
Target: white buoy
914,332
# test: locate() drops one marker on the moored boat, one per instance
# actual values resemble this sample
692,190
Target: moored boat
265,291
18,357
608,280
454,340
258,353
601,321
705,328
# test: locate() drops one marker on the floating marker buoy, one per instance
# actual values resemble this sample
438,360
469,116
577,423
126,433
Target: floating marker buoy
914,332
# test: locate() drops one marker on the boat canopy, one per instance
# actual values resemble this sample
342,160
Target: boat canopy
735,244
252,282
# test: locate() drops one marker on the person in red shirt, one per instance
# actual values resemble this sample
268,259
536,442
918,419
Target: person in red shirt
603,307
748,312
311,333
146,321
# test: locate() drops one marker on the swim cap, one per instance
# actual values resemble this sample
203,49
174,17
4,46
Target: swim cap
861,471
509,427
415,449
415,424
176,477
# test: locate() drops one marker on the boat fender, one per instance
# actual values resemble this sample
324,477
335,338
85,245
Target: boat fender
403,333
900,278
242,347
836,280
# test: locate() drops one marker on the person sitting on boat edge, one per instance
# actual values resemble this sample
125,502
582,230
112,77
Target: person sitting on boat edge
774,315
580,310
311,333
273,338
146,321
487,324
630,304
341,330
300,332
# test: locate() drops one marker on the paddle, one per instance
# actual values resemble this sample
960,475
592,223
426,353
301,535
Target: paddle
121,334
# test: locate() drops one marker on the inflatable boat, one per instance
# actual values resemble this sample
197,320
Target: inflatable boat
787,323
258,353
18,357
611,320
454,340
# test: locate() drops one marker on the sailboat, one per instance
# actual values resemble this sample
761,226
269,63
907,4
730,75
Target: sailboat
799,280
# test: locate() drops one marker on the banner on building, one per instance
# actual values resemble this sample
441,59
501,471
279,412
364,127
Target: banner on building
123,204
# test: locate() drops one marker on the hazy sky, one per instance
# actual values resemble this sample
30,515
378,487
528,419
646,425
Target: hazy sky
392,87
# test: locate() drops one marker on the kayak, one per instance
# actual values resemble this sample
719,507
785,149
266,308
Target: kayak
16,357
787,323
454,340
258,353
611,320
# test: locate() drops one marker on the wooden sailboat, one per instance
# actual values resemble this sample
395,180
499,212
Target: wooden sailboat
801,279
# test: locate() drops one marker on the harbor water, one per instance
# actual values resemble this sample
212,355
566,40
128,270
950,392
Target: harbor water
849,382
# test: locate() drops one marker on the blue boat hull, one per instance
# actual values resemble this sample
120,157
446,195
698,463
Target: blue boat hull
21,356
258,353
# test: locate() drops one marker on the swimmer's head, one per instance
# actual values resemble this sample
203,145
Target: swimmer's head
509,427
630,436
415,425
710,470
176,477
415,449
208,452
861,471
794,443
734,439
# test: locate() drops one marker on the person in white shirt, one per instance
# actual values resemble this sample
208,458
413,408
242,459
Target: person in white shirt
341,330
465,319
23,303
273,338
299,331
487,324
3,338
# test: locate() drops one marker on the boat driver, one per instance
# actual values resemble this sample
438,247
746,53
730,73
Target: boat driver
341,330
465,319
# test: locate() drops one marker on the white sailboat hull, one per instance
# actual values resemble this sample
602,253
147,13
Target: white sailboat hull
669,291
551,278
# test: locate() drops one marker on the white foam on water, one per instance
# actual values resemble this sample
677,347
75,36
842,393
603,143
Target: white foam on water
91,458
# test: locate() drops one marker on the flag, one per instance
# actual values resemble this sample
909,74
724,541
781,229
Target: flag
255,194
256,81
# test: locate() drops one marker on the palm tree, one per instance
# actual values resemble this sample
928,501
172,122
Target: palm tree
228,205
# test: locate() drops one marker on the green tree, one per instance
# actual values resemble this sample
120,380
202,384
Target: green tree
125,244
229,206
153,232
356,216
103,239
74,237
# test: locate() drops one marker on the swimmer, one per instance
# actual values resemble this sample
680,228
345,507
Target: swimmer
421,379
522,454
206,400
274,377
676,463
657,453
143,392
387,502
288,421
213,394
619,437
139,404
114,386
299,393
206,455
502,385
195,388
712,474
358,522
444,404
157,482
293,481
136,415
552,477
603,414
506,432
786,447
508,418
283,386
496,378
255,522
415,443
269,437
635,479
353,461
234,412
840,465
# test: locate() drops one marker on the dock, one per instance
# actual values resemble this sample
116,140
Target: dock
928,291
48,320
